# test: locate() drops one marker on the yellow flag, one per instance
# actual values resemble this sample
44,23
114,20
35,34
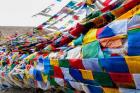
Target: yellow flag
111,90
87,74
138,12
31,56
27,74
133,63
54,62
130,13
90,36
90,1
45,78
14,56
71,43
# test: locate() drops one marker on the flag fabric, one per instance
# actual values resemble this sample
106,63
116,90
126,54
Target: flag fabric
133,63
103,79
99,54
136,78
89,47
112,64
92,64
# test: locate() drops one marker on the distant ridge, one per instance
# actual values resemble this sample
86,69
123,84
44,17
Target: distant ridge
11,30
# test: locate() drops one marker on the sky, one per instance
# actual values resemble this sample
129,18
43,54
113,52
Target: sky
20,12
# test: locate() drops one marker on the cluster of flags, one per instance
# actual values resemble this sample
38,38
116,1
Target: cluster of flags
98,53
